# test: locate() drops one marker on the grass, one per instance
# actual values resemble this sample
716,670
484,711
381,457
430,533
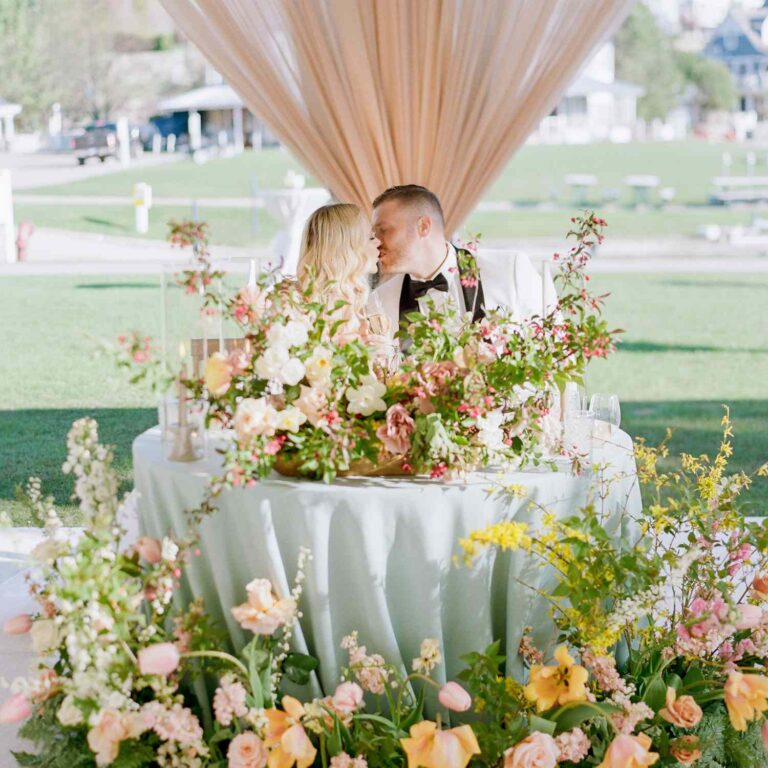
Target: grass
692,343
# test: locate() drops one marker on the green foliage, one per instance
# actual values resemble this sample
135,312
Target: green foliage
644,55
715,88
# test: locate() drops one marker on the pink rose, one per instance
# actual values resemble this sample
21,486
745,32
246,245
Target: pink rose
149,549
347,698
538,750
15,709
452,696
247,750
238,361
159,659
18,625
396,434
750,616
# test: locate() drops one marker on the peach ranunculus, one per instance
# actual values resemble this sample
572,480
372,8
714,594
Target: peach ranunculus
685,750
105,737
683,712
218,373
562,684
264,614
627,751
254,417
746,697
312,402
149,549
539,750
246,750
347,698
395,435
760,585
428,747
286,738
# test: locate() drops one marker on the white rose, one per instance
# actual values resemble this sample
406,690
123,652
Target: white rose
169,550
296,333
45,635
270,364
276,336
69,713
489,432
319,366
366,399
254,417
291,419
292,372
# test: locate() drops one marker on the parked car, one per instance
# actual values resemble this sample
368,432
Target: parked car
100,140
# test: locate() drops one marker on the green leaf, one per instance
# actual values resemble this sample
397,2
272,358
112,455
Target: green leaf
542,725
655,694
571,715
298,667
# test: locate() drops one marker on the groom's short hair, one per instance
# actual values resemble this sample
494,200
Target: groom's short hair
414,196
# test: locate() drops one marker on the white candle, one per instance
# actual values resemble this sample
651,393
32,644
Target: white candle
252,275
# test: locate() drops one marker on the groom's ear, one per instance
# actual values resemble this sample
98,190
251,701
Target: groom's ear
424,226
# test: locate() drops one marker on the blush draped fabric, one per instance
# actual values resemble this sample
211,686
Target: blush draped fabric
371,93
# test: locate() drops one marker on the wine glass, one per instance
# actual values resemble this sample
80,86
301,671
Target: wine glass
574,398
606,408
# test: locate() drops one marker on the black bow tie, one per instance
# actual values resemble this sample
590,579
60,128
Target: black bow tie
419,288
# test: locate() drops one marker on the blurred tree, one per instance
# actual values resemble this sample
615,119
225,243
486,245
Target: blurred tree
24,61
712,80
644,55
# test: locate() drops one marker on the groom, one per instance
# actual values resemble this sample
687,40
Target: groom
414,256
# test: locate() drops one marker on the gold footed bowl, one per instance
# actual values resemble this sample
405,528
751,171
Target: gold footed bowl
386,466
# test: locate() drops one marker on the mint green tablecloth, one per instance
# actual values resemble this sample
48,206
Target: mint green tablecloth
383,552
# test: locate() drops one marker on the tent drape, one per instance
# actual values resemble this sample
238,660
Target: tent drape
371,93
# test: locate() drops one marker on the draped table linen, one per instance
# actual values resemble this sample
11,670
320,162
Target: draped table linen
383,551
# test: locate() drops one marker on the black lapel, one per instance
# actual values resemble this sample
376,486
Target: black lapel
473,294
407,302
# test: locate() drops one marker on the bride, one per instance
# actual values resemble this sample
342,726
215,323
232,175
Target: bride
339,254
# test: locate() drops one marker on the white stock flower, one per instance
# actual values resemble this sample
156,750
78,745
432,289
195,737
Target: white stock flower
290,419
319,366
255,417
292,372
169,550
366,399
270,364
489,432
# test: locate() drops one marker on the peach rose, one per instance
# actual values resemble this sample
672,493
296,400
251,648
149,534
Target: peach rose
149,549
395,435
247,750
347,698
18,625
760,585
683,712
159,659
746,698
452,696
312,402
105,737
538,750
627,751
15,709
218,374
685,750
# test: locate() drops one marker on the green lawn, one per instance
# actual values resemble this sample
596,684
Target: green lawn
692,344
534,176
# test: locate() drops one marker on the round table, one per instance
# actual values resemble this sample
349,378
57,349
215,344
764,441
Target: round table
383,551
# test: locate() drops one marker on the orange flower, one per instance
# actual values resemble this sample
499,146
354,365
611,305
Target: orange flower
286,738
427,747
685,750
627,751
746,697
557,685
683,712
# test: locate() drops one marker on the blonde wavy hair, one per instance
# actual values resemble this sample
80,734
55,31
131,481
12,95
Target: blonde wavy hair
332,258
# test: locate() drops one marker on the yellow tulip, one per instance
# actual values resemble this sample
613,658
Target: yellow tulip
562,684
627,751
427,747
746,697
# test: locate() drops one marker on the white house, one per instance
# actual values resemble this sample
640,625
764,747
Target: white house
8,112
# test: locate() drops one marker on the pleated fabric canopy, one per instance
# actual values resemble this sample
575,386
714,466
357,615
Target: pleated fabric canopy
372,93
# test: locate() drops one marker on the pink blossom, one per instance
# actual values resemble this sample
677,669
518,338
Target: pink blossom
574,745
149,549
159,659
140,356
396,434
347,698
749,616
229,701
452,696
15,709
18,625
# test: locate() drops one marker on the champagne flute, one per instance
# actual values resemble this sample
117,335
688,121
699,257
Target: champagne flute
606,408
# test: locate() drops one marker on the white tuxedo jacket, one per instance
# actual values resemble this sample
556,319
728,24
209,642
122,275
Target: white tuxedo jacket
509,279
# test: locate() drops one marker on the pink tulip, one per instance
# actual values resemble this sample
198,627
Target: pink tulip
347,698
452,696
149,549
15,709
750,616
765,735
159,659
18,625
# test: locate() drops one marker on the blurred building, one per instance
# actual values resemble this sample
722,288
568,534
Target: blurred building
8,112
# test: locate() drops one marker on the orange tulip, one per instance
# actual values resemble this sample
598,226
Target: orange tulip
746,697
427,747
627,751
557,685
286,738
